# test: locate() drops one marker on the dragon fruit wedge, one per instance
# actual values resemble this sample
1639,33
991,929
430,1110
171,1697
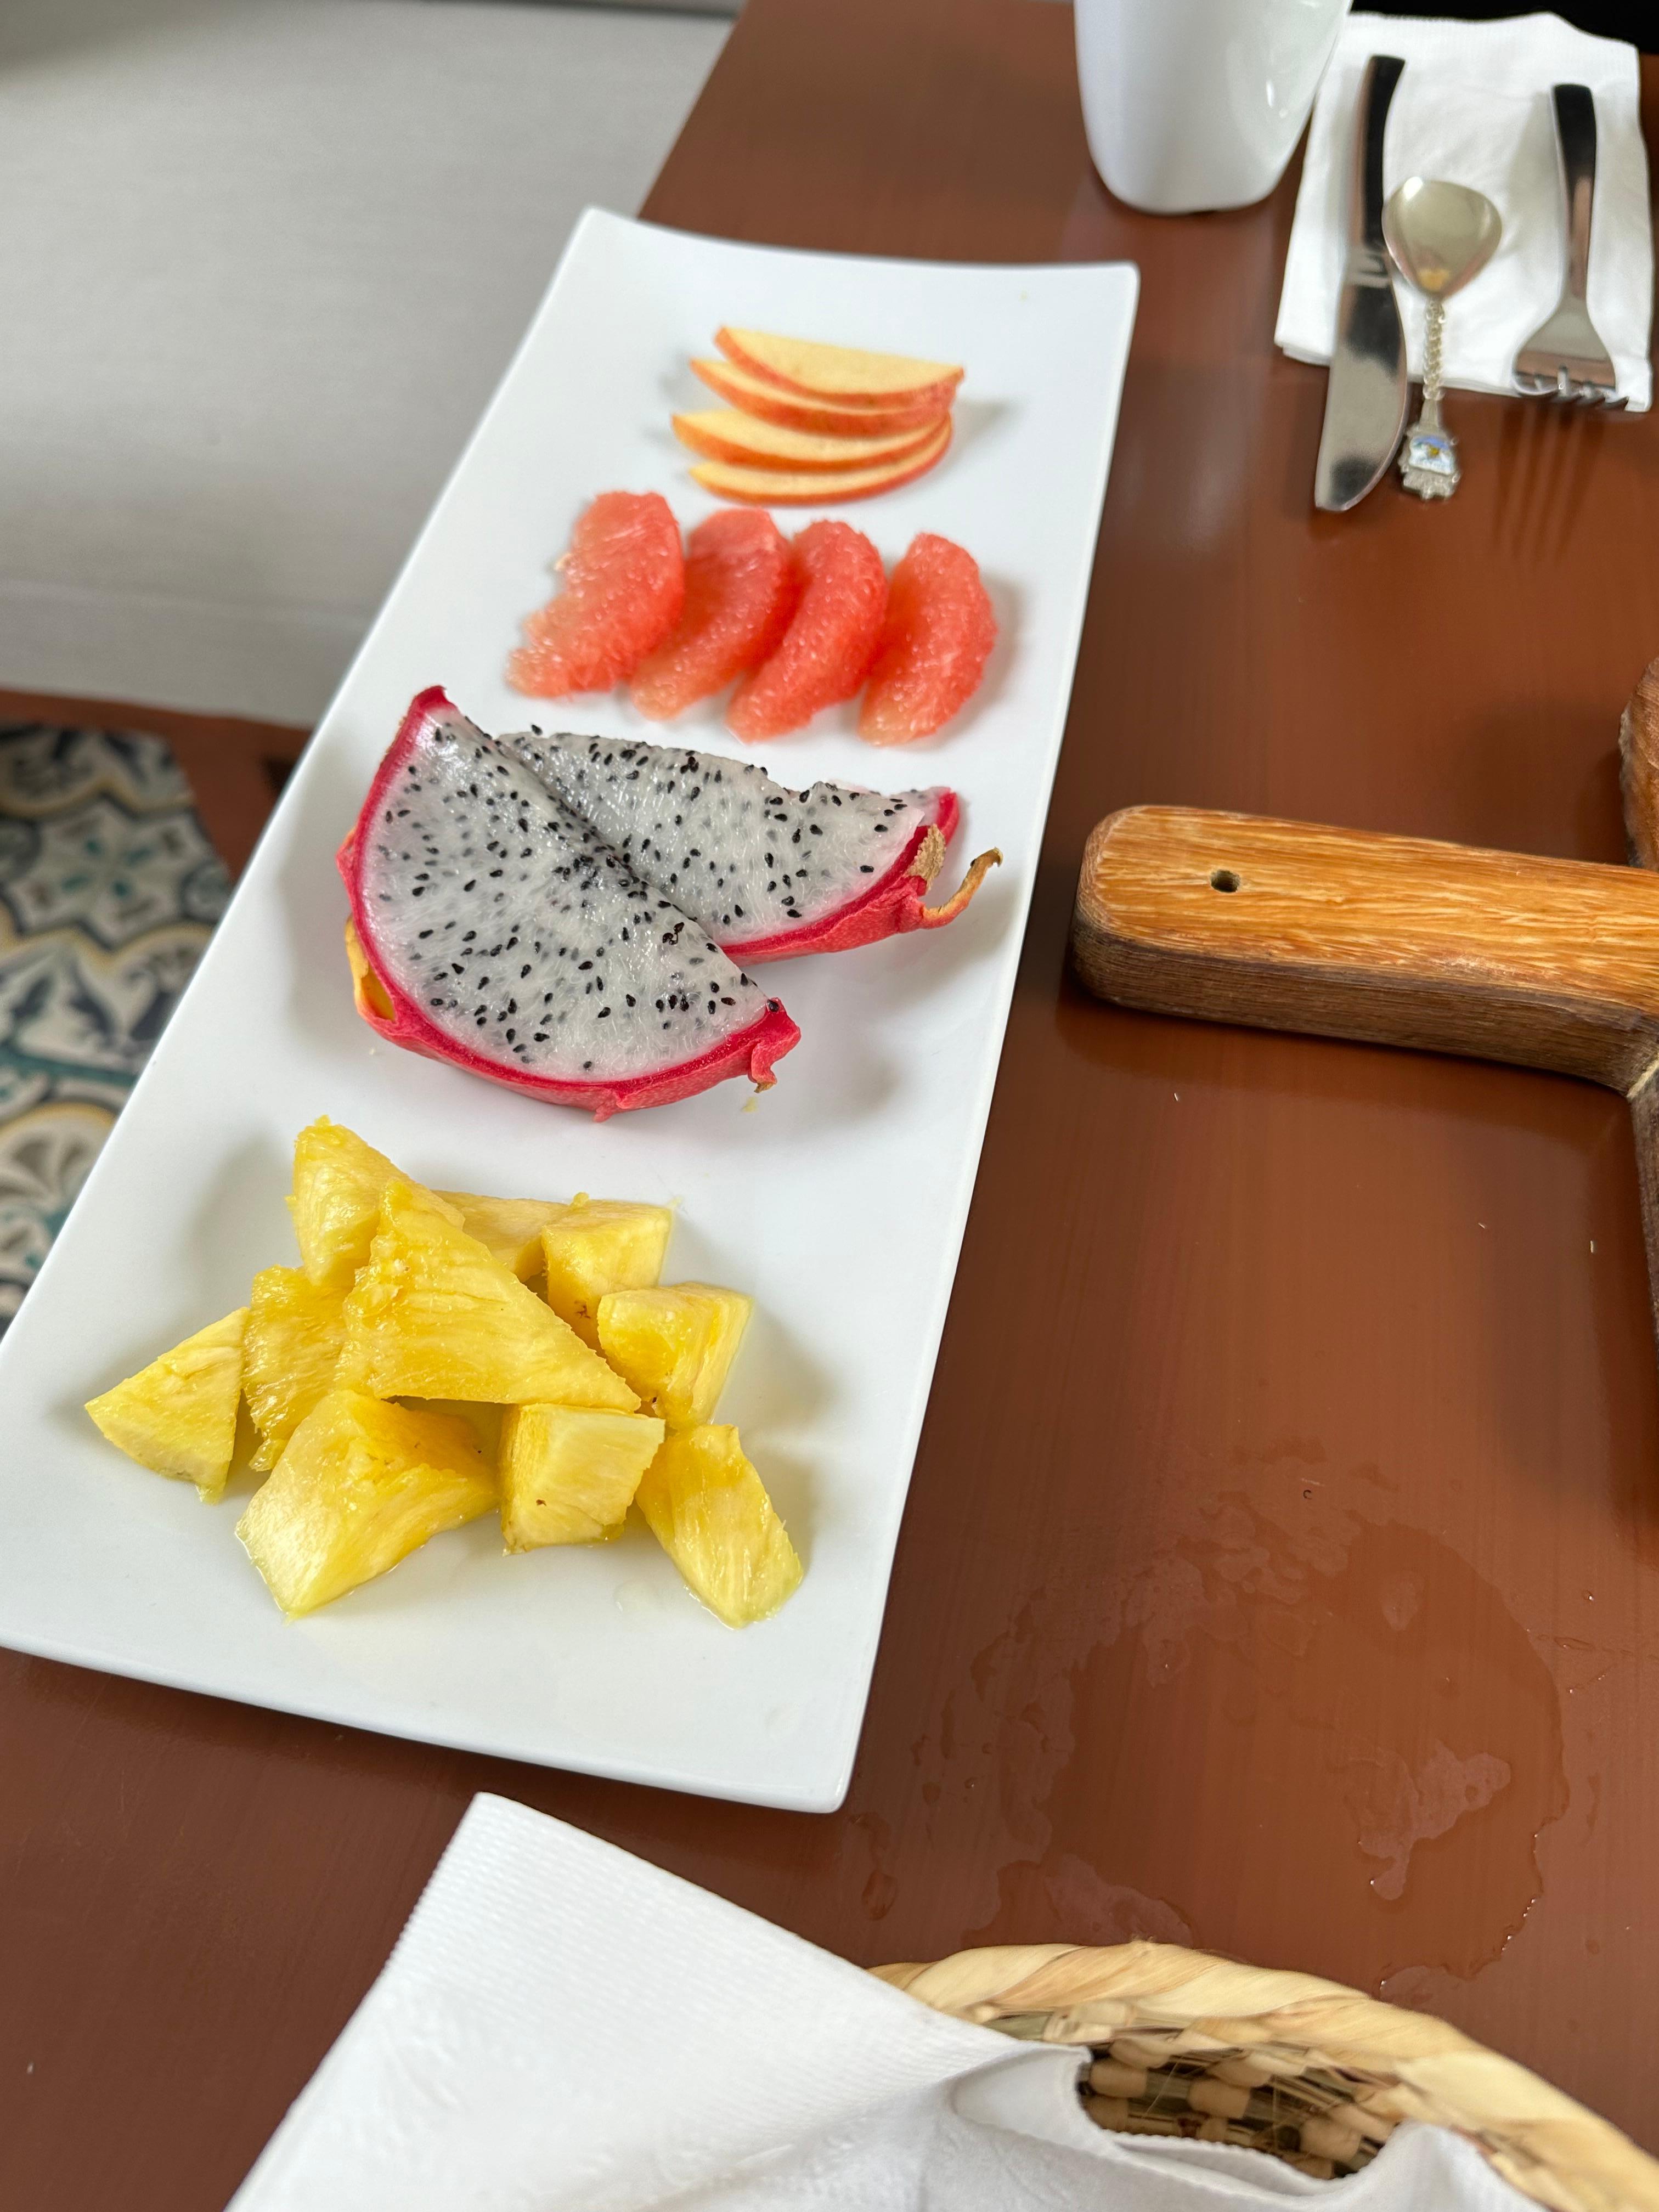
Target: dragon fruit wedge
492,927
769,873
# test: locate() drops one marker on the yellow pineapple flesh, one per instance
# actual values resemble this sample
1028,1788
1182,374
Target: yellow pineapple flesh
568,1474
178,1416
597,1245
361,1486
675,1345
710,1510
338,1184
295,1333
433,1314
484,1421
511,1227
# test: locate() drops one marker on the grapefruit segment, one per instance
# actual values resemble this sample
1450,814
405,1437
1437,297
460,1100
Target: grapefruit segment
624,583
740,591
832,418
838,371
820,487
826,651
936,637
727,434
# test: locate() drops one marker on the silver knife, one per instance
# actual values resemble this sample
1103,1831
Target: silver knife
1365,399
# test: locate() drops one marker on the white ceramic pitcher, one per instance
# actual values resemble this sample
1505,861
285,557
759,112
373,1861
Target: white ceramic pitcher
1193,104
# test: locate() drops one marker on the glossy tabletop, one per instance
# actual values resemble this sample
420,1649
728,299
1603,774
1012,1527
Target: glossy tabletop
1281,1570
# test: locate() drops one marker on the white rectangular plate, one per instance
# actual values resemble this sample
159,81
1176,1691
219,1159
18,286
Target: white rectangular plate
837,1199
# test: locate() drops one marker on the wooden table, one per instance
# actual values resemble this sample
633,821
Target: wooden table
1281,1571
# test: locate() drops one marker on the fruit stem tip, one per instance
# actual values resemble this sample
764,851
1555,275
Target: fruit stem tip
935,917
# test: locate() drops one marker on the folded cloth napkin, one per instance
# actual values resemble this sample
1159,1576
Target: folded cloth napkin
1473,108
564,2028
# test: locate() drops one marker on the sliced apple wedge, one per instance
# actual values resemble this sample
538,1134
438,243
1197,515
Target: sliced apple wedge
830,418
727,433
819,487
833,372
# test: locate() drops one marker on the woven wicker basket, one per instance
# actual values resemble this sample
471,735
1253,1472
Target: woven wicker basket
1186,2045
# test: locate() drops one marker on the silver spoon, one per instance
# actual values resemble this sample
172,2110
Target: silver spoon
1441,235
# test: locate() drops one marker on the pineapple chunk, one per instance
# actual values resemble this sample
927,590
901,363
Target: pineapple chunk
484,1421
359,1487
710,1510
675,1346
434,1315
294,1333
597,1245
178,1416
338,1184
511,1227
568,1475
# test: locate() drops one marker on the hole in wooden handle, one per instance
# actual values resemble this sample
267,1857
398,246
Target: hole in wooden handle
1223,879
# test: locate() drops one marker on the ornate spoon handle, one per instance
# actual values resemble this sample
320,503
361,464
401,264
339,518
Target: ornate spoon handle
1428,460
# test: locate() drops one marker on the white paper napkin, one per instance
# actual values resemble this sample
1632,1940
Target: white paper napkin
1473,108
564,2028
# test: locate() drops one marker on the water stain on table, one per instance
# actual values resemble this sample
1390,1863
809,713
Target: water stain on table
1290,1645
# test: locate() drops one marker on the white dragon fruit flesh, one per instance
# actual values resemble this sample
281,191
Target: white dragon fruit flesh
769,872
496,929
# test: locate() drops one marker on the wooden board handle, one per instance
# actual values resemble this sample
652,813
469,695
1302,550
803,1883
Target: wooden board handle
1394,940
1638,769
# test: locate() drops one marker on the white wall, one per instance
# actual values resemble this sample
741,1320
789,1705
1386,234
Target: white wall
261,263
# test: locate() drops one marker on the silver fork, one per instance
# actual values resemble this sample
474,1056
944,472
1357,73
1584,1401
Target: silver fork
1564,357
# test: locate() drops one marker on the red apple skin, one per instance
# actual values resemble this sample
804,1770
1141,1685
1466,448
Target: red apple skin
937,393
717,446
822,486
830,418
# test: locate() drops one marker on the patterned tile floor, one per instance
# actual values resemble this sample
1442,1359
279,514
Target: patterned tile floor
109,889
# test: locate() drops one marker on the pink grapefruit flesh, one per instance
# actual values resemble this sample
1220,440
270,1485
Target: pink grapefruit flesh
826,652
935,642
624,584
740,591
